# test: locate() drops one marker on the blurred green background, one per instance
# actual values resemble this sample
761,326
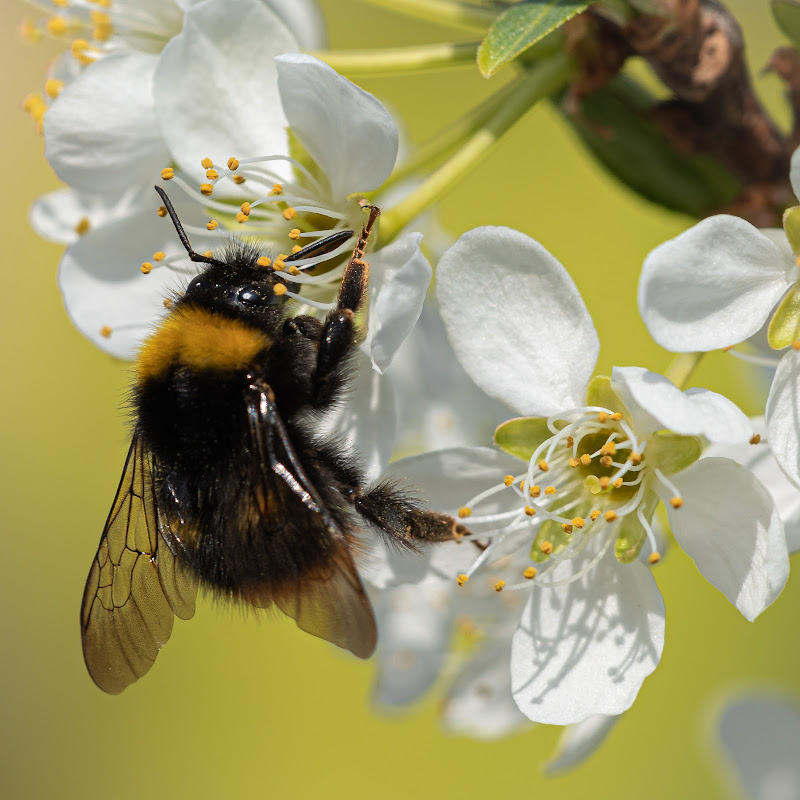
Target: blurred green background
240,707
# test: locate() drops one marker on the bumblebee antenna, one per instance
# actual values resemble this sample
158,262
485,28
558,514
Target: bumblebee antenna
195,256
322,247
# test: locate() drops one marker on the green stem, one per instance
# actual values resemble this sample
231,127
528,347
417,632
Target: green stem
394,60
681,368
541,81
446,12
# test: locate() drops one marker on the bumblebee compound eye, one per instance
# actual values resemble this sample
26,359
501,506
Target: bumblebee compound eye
257,295
195,285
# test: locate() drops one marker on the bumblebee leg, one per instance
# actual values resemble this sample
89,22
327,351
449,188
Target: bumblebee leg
403,520
338,331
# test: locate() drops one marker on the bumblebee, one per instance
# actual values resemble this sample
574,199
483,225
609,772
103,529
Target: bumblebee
226,486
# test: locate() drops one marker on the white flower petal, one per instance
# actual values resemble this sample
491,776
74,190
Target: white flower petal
216,87
794,173
479,703
345,129
304,20
56,215
400,276
761,462
101,283
655,403
585,648
712,286
729,526
101,133
415,626
365,420
760,735
516,320
580,741
783,415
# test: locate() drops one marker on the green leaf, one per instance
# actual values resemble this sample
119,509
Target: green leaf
784,327
614,125
673,452
521,26
521,436
787,15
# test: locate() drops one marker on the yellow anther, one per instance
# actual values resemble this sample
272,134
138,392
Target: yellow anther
212,174
586,459
239,179
676,502
167,302
530,573
755,438
294,233
293,270
240,217
29,32
277,188
608,449
635,458
281,256
610,516
102,30
105,331
296,248
546,548
498,587
653,558
616,416
522,486
146,268
578,522
550,490
530,511
80,51
233,163
464,511
508,480
618,483
796,344
573,462
279,289
602,416
206,163
57,26
212,225
161,211
206,189
462,579
279,264
82,226
159,255
263,261
167,174
606,461
53,87
604,482
536,490
245,208
593,515
289,213
570,442
207,253
543,465
566,527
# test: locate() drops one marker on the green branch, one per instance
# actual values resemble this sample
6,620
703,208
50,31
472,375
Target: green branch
681,367
395,60
537,83
446,12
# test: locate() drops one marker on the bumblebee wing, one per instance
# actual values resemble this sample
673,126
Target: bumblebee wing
136,585
325,597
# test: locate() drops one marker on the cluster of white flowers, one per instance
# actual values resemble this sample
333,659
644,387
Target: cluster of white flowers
553,590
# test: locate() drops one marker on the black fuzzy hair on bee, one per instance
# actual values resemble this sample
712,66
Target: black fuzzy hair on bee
228,484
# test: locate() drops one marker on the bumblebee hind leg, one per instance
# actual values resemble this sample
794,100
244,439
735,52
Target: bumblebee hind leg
403,520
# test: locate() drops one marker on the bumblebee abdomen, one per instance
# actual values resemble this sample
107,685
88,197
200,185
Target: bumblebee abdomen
197,339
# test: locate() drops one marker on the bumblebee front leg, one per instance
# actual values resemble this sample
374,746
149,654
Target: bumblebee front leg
338,331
